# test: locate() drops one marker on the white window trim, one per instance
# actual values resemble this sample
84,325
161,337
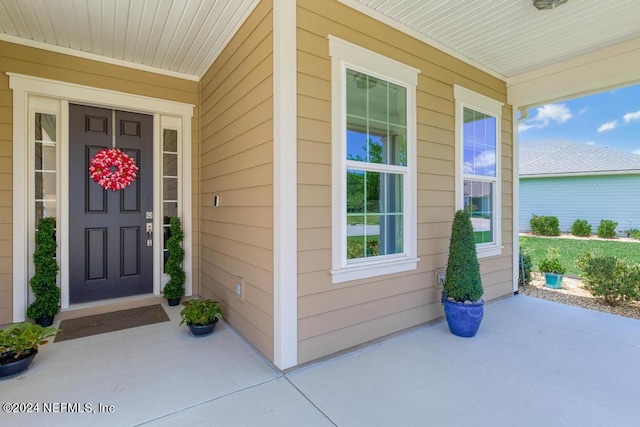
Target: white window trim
26,87
347,55
477,102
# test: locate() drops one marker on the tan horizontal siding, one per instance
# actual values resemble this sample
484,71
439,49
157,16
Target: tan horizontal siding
335,317
50,65
236,238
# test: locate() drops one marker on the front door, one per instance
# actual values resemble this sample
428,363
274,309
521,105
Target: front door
110,250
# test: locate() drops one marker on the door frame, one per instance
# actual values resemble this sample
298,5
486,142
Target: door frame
166,115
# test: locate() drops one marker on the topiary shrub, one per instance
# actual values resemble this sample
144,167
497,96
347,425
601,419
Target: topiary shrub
463,281
545,225
607,229
581,228
43,282
174,289
613,279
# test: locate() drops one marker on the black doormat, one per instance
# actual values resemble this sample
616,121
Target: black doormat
109,322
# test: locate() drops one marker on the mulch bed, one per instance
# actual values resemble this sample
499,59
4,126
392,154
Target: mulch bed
573,293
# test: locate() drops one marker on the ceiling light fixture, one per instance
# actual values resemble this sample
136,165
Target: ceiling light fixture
548,4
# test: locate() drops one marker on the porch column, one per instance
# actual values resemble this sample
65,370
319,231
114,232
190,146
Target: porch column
285,180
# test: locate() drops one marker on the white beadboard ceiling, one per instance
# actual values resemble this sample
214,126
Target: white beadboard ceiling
176,37
511,37
183,37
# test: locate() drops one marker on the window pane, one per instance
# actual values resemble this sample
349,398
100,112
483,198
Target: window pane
170,140
45,127
45,209
374,214
45,185
479,135
478,196
169,164
376,120
170,189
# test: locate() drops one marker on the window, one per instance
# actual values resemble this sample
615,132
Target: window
45,166
169,185
374,214
478,166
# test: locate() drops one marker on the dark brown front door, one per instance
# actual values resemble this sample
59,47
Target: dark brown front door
109,252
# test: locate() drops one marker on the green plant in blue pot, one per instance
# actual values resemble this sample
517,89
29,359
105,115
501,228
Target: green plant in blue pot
462,288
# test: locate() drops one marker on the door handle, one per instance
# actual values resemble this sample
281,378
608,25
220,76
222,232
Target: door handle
149,234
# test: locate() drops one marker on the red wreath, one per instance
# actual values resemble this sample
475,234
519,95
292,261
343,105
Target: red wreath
112,169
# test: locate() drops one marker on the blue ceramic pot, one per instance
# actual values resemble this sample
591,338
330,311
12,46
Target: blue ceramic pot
463,319
553,281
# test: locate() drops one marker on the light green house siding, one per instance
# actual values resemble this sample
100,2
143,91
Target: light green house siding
614,197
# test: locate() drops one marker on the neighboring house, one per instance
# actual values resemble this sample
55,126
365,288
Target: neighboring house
578,181
261,138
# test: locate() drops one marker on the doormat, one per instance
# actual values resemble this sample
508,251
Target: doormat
109,322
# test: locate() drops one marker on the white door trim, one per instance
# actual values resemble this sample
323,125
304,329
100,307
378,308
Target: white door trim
24,86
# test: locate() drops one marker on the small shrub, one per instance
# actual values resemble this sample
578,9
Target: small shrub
607,229
545,225
551,263
613,279
634,233
581,227
526,265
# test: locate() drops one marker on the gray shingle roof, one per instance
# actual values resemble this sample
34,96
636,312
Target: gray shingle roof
557,156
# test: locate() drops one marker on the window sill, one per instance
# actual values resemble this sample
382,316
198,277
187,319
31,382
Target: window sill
373,269
487,251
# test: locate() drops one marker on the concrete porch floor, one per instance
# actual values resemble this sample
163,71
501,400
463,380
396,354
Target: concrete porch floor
533,363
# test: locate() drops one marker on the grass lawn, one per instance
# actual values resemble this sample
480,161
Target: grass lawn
571,249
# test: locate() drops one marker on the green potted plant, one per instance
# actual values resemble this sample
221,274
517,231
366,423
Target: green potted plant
552,268
462,288
19,345
174,289
43,282
201,315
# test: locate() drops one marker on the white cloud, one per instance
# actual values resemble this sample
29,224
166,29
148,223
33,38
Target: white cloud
608,126
590,143
629,117
583,110
486,159
636,151
545,115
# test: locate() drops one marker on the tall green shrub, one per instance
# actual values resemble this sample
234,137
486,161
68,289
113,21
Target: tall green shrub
607,229
581,228
43,282
174,288
462,281
525,265
545,225
615,280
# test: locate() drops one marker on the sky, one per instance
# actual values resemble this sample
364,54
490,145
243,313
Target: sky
607,119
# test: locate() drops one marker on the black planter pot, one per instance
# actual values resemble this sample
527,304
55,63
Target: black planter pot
18,366
463,319
203,329
173,301
45,321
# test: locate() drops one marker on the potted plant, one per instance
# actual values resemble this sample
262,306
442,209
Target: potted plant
462,288
552,268
174,289
201,315
19,345
43,282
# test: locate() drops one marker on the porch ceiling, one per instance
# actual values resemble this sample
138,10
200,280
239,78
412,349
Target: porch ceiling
183,37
